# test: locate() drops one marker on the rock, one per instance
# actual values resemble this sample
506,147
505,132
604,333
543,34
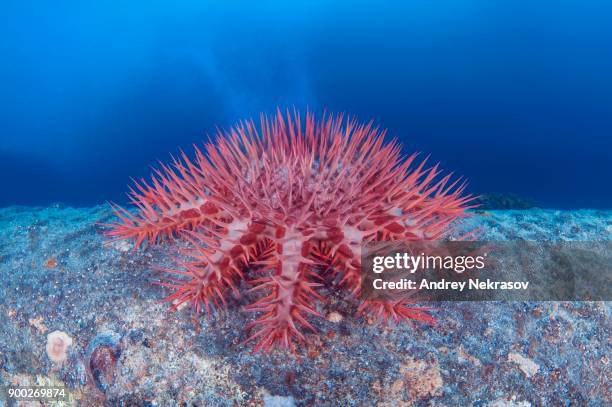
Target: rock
278,401
334,317
108,299
528,366
511,402
423,379
104,354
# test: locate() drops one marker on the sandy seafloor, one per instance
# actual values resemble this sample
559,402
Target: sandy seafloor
57,274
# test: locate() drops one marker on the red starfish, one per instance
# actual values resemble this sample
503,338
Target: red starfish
282,203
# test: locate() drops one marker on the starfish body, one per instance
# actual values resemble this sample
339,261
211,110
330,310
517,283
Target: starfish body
287,205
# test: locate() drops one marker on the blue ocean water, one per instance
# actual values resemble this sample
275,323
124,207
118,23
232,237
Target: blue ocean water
514,95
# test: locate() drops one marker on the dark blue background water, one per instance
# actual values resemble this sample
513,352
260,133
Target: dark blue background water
516,95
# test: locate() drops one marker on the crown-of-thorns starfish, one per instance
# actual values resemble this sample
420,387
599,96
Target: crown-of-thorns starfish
286,206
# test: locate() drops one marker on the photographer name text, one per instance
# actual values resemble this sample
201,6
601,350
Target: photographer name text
470,284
